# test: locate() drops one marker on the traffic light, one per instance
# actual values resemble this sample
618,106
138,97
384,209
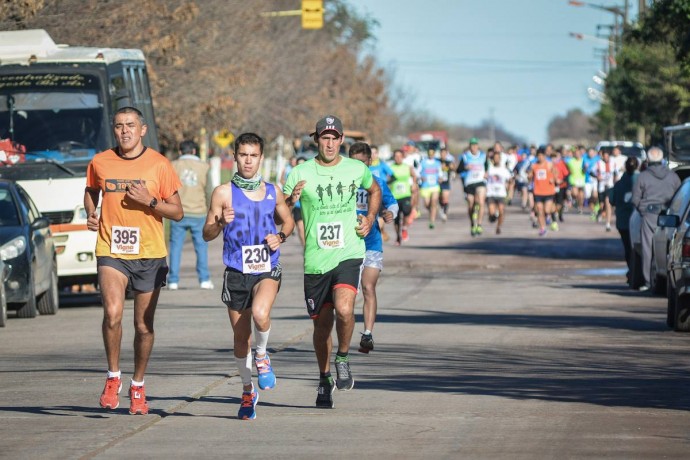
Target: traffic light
312,14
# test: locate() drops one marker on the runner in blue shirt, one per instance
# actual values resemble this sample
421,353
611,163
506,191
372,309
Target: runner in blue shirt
373,258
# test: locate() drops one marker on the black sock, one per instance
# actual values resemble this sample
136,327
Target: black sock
340,354
324,375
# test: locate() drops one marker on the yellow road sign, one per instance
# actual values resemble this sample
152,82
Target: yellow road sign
224,138
312,14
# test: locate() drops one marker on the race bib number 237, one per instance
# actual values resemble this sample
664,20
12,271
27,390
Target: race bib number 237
330,235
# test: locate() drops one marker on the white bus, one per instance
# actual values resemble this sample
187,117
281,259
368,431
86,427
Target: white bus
57,103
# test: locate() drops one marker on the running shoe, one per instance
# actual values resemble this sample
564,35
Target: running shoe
248,405
492,218
208,285
324,395
366,344
173,286
137,400
431,225
344,380
479,230
405,235
444,216
542,232
473,230
109,397
267,379
548,220
608,227
554,226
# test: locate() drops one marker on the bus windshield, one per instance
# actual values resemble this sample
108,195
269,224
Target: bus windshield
57,116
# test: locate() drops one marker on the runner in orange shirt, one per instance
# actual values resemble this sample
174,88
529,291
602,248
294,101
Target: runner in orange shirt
545,181
138,187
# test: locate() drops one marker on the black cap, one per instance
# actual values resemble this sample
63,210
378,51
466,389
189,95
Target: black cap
328,123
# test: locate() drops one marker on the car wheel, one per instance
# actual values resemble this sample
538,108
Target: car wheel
3,307
682,317
670,305
636,276
49,301
28,310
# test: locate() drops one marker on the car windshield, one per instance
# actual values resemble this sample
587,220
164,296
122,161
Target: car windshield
53,113
41,170
8,209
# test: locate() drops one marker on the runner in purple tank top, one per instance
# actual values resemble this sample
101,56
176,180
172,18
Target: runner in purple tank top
244,212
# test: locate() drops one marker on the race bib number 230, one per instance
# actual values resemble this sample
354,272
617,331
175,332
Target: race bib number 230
330,235
124,240
256,259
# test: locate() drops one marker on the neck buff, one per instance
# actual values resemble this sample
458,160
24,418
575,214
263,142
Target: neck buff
247,184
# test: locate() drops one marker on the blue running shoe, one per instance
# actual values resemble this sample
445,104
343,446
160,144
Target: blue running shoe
267,379
248,406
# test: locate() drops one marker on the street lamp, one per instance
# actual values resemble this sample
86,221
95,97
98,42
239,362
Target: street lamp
623,13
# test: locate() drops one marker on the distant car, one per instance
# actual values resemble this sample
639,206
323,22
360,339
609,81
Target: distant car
628,148
58,191
679,206
27,247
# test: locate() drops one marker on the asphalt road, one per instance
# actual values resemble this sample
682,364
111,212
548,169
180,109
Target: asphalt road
509,346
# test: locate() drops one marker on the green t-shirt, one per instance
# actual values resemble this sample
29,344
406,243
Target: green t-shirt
401,187
328,202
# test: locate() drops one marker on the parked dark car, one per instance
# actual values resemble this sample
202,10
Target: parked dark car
4,273
27,248
679,206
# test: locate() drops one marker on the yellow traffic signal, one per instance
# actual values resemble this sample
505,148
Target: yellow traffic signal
312,14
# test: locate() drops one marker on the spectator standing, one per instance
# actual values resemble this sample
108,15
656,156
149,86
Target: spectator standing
651,193
621,199
193,174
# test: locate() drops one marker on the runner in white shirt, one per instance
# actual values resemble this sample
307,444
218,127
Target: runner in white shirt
606,170
498,178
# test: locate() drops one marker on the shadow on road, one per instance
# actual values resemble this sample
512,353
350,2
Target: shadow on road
605,377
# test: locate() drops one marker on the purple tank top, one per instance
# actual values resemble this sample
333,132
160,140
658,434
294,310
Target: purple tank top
253,221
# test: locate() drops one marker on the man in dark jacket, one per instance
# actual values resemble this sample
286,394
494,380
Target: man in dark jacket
621,199
651,193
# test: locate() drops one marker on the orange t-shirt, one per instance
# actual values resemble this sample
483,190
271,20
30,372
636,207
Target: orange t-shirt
544,180
129,230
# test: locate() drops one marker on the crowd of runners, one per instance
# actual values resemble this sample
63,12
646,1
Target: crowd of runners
338,205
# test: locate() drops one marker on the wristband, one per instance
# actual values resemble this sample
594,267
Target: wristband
282,237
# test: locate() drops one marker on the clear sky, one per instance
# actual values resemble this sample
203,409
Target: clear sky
467,59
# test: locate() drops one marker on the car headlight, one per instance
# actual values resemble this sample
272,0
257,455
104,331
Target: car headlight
14,248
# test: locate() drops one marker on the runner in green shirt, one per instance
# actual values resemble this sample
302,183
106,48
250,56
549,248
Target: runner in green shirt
333,247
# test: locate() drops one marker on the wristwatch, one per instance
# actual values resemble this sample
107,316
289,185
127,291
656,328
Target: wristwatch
153,203
282,236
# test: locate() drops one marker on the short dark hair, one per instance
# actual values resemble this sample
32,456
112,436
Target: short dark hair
631,165
130,109
249,138
189,147
360,147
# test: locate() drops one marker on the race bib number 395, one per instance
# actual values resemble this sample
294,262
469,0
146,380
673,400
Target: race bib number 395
256,259
330,235
124,240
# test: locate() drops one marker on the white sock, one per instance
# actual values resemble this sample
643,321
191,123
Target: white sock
244,365
366,332
117,374
137,384
261,340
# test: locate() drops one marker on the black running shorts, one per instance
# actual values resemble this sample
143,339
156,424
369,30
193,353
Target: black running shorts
472,188
405,205
238,286
318,289
143,275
